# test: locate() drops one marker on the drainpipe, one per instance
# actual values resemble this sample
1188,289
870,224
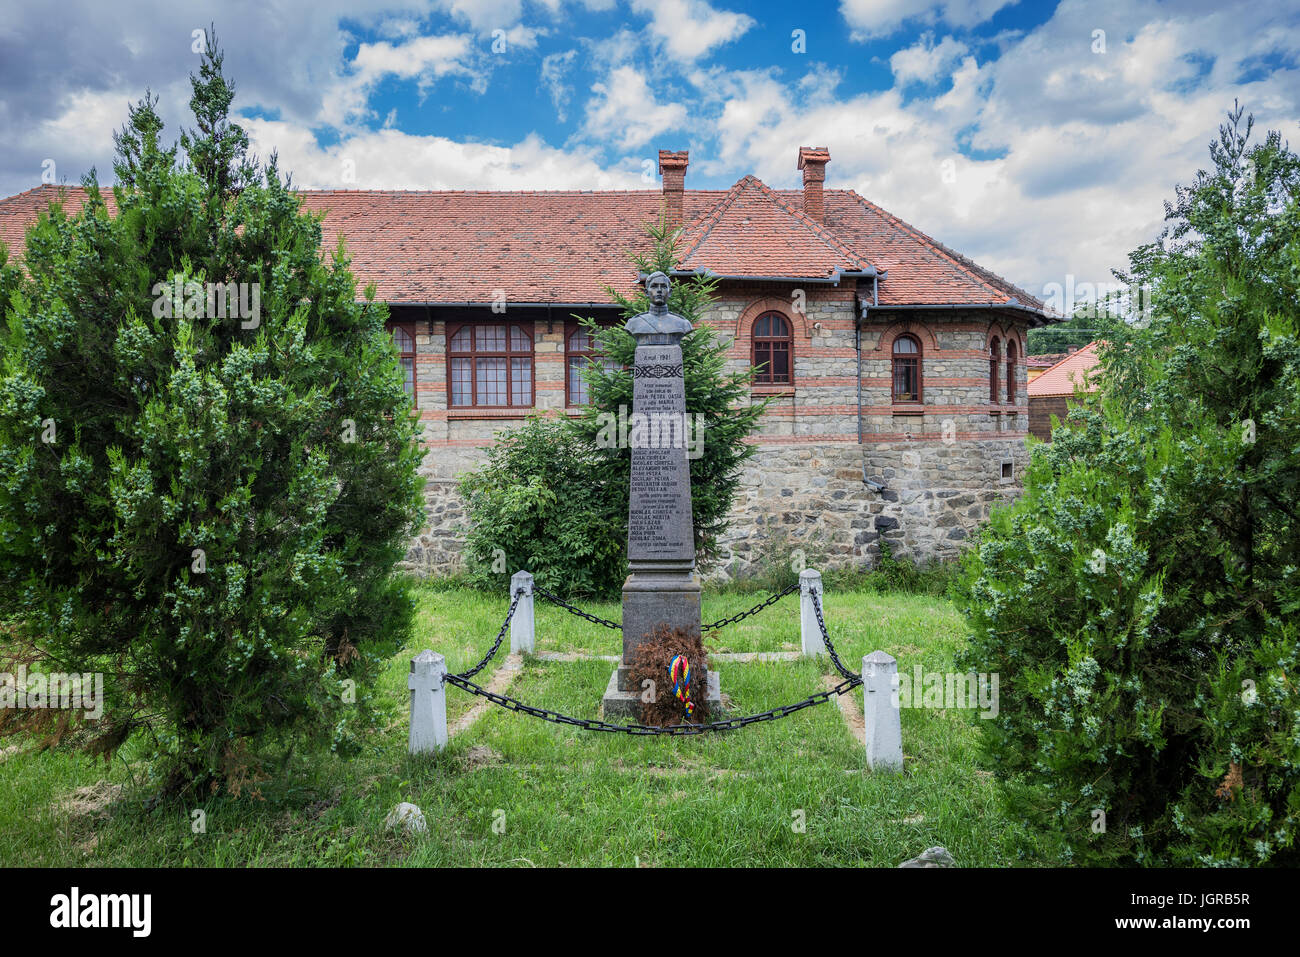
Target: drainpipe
857,341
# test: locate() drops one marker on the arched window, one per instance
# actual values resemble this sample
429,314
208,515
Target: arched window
404,337
579,350
1011,371
773,345
489,364
995,353
907,369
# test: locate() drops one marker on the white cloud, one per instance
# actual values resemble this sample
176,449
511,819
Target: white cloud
554,67
623,111
869,19
424,59
688,29
926,62
484,15
1060,159
391,159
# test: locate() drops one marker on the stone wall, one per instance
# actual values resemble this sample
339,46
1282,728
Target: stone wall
941,461
814,499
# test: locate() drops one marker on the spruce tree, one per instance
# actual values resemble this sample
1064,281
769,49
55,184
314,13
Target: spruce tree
553,497
720,398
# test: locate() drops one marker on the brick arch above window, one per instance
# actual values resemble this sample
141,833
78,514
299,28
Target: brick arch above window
798,320
1005,334
923,333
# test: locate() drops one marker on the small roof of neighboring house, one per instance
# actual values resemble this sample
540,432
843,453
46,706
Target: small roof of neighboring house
1062,378
563,247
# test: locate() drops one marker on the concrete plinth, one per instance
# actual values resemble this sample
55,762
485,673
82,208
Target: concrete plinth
652,601
623,705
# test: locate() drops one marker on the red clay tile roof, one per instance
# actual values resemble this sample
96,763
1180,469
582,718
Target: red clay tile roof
1073,370
566,246
754,232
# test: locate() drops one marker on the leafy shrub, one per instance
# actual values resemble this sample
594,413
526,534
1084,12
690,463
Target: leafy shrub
1140,600
541,503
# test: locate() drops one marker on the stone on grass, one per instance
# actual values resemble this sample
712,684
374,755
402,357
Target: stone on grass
406,817
931,857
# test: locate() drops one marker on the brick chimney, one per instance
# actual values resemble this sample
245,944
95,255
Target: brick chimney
672,167
813,160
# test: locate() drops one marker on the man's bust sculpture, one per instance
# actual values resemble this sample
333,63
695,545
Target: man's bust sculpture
658,321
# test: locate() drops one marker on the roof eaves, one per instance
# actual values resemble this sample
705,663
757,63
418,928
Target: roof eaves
968,266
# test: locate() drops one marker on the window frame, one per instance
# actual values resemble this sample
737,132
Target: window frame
770,341
995,372
1012,391
413,354
570,328
912,358
474,354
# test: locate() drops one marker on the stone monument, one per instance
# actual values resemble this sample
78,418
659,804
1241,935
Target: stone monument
662,589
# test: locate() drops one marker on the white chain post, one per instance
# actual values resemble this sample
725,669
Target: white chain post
428,703
522,626
880,707
810,633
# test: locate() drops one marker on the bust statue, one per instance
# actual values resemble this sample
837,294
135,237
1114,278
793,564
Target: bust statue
658,322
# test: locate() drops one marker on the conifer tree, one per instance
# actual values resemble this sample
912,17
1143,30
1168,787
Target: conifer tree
1142,600
207,459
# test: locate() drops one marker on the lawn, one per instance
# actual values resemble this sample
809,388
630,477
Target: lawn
515,791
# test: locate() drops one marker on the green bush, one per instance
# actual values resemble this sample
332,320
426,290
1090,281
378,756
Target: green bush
541,503
207,508
1140,600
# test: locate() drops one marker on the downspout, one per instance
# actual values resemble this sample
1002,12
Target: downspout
857,338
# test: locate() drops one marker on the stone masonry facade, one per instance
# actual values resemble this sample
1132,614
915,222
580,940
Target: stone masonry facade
832,477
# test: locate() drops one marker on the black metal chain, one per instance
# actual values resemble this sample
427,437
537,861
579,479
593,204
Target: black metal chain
830,645
591,724
720,623
575,610
497,644
770,600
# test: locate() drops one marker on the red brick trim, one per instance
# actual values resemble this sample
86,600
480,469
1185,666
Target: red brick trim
1004,333
929,344
798,320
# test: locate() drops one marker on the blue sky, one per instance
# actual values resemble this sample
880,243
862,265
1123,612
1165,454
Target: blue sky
513,103
1040,138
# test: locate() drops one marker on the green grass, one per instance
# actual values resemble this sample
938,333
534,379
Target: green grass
562,796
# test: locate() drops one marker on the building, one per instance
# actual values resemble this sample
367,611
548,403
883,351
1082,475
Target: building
896,365
1037,365
1053,392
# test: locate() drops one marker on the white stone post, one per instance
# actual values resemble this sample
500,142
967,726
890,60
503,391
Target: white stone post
428,703
880,707
522,625
810,634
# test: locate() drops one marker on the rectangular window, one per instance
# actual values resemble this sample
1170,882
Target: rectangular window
580,351
489,365
906,384
773,341
404,338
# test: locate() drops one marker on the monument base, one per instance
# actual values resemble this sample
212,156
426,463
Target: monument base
626,705
654,599
666,596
